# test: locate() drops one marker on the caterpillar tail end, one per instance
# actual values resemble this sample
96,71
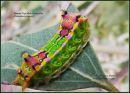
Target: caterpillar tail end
15,82
24,86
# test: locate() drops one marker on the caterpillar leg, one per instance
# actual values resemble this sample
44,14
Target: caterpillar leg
47,79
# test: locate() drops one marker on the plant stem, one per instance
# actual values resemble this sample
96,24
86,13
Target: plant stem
108,86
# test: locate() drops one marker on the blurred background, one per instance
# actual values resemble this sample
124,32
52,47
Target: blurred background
109,21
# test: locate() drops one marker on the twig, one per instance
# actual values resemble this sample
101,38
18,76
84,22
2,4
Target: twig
109,86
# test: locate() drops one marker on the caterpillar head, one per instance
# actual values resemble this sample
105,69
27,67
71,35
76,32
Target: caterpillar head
68,19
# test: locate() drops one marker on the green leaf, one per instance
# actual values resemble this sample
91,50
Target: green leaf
85,71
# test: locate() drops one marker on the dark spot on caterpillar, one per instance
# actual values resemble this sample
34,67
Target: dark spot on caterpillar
77,17
64,13
40,60
64,32
19,71
34,66
26,76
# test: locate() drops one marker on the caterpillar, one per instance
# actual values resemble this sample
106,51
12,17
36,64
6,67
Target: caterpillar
58,54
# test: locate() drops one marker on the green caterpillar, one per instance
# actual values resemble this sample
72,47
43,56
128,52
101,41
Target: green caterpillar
57,55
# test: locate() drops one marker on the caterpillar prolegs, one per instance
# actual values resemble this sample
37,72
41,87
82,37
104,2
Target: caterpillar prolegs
56,56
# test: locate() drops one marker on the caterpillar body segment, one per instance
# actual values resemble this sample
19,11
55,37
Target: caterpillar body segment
57,55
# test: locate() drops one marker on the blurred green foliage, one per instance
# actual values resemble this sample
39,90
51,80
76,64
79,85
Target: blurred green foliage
112,18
